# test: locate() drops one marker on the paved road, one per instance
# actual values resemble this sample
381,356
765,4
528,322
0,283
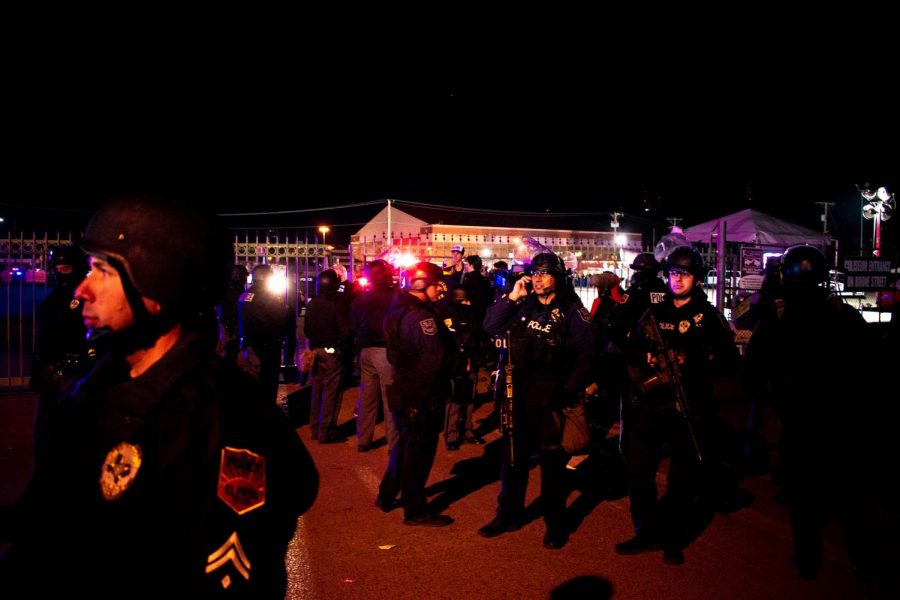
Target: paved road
347,548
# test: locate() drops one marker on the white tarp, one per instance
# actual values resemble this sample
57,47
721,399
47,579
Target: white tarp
753,227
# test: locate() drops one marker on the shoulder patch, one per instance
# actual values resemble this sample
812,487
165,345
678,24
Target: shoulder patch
429,327
585,314
242,479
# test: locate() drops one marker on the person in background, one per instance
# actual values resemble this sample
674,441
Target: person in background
164,472
62,352
366,318
455,268
265,321
830,457
228,313
478,288
327,328
473,350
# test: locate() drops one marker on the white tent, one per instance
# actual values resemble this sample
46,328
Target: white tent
753,227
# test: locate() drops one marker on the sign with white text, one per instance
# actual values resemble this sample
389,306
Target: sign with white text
866,273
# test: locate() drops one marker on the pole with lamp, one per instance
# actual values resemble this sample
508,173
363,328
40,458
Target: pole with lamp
879,207
323,229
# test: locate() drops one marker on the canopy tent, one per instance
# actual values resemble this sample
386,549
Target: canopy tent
753,227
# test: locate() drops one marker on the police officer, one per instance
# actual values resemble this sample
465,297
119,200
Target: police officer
701,346
327,329
265,321
422,352
827,420
551,344
228,314
164,472
646,289
61,351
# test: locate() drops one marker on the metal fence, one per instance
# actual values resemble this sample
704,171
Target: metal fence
298,256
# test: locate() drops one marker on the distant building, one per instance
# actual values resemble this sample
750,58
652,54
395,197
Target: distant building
429,233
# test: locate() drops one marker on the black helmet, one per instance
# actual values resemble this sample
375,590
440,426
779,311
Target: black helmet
423,274
327,281
685,258
71,256
169,252
803,265
238,277
645,261
380,272
549,261
261,273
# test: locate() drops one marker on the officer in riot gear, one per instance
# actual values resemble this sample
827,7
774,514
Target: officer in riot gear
228,313
673,355
163,459
828,466
62,352
327,330
422,352
265,321
551,345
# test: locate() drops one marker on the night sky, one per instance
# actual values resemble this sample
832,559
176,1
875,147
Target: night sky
246,134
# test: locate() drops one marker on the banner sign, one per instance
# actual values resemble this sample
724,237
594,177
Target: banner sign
866,273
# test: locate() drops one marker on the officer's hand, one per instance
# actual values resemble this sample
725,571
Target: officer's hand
520,288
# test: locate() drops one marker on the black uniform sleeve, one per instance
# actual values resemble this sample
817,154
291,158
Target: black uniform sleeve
500,316
580,344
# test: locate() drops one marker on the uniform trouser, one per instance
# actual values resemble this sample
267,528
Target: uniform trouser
825,478
326,398
537,431
459,410
376,373
269,369
647,430
410,462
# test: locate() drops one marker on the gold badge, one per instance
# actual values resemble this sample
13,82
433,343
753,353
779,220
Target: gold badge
683,326
74,303
242,479
698,317
120,467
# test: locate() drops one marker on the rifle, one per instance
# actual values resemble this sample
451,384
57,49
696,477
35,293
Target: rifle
507,403
669,373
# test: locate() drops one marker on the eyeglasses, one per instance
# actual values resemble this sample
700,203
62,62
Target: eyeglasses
540,272
680,274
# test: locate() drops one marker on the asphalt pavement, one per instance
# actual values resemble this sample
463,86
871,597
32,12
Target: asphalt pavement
345,547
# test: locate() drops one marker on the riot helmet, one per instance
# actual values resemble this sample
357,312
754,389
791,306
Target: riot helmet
380,272
803,266
68,264
238,279
423,274
645,261
548,261
686,260
327,281
169,252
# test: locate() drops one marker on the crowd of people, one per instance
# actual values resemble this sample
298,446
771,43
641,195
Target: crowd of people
158,370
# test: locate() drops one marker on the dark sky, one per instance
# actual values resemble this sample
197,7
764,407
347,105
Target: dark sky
245,131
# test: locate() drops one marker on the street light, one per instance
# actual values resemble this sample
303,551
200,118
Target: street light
879,206
323,229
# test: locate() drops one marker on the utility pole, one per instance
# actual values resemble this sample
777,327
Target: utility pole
673,221
615,227
825,206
